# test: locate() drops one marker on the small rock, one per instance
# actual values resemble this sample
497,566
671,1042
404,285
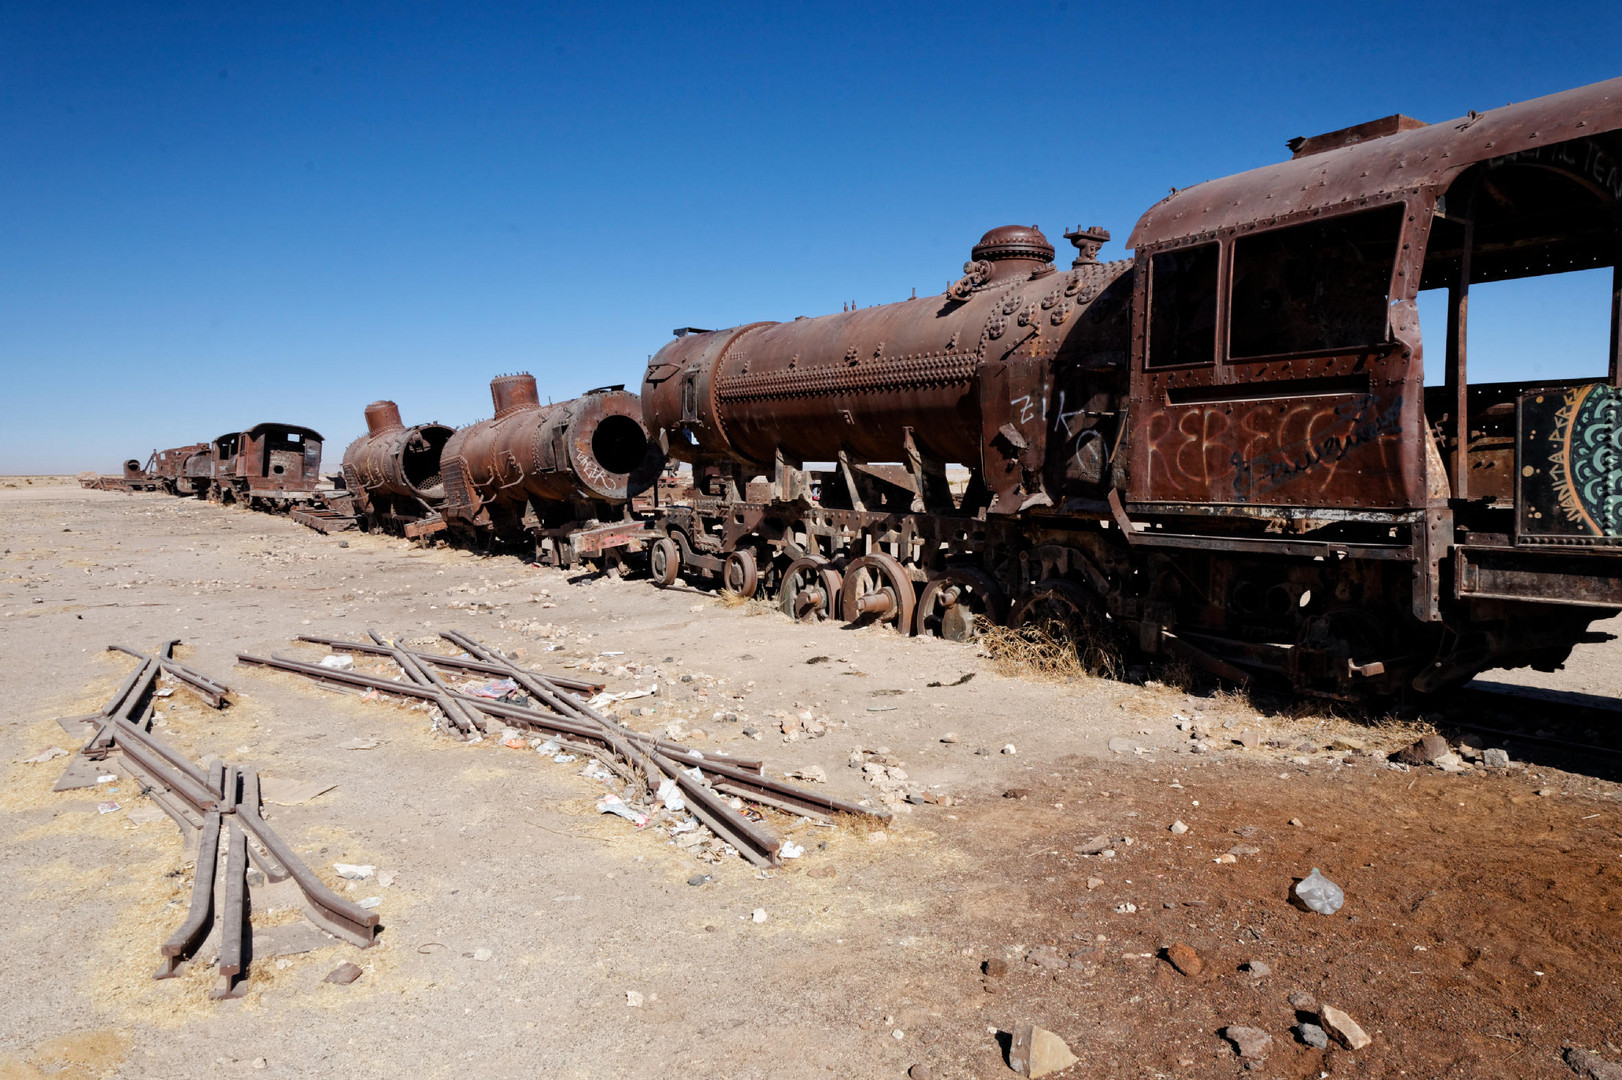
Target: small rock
1343,1027
1093,883
1423,752
1185,959
1545,792
1008,749
698,879
1093,846
1247,831
353,872
1179,828
1259,969
759,915
1301,1001
752,733
1252,1043
260,1063
1119,745
1344,744
1037,1052
1296,822
949,737
1249,739
343,974
633,999
995,967
385,878
1017,793
1244,849
1047,958
1591,1066
1495,758
1313,1035
921,1071
1450,762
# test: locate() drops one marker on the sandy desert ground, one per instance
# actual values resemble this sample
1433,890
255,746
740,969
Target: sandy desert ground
1479,937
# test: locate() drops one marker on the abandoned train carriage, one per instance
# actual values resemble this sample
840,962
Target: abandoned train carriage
1227,444
270,466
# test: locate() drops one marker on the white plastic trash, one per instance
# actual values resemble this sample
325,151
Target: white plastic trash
1320,894
613,804
671,797
338,663
790,850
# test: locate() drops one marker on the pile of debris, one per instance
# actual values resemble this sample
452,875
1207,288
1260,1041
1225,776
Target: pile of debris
219,805
715,788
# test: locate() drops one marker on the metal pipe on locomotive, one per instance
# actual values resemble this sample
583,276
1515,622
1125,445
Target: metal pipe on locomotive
557,479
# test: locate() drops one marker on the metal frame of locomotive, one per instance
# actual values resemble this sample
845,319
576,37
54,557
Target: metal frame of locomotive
1225,446
268,466
182,470
556,481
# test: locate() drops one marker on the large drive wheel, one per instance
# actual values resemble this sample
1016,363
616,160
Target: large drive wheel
877,589
810,590
951,602
664,562
738,575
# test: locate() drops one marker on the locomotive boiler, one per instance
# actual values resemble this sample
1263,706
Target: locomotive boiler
1223,450
393,472
558,478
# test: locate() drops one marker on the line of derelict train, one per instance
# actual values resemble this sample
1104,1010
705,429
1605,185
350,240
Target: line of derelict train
1223,449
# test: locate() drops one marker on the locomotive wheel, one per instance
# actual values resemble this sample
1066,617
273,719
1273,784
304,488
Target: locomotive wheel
951,602
664,562
810,590
739,575
877,589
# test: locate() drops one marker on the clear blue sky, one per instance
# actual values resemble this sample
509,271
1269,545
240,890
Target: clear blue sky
213,215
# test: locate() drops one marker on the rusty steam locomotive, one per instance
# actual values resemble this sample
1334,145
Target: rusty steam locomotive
1222,449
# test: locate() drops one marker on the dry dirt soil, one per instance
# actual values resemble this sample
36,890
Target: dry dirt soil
1479,935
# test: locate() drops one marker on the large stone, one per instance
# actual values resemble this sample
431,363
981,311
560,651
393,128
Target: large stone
1037,1052
1592,1066
1252,1043
1495,758
1185,959
1343,1027
1093,846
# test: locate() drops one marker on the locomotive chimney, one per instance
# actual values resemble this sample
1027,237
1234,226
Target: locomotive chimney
513,393
382,416
1013,251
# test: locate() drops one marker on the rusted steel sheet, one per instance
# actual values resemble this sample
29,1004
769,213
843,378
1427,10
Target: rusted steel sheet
170,466
965,377
1380,168
394,468
591,449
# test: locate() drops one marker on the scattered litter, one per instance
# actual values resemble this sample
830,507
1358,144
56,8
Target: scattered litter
565,759
46,755
633,999
354,871
670,795
613,804
495,691
596,770
759,915
338,663
385,878
790,850
1320,894
106,807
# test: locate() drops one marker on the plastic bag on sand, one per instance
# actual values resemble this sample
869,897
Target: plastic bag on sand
596,770
613,804
790,850
671,797
338,663
1320,894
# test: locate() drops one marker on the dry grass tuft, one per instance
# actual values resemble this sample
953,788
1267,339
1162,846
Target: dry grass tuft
1053,651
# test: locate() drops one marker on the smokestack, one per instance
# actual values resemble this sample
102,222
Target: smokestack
512,393
382,416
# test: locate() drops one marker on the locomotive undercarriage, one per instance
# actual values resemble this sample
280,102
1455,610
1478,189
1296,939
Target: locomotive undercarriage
1332,617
